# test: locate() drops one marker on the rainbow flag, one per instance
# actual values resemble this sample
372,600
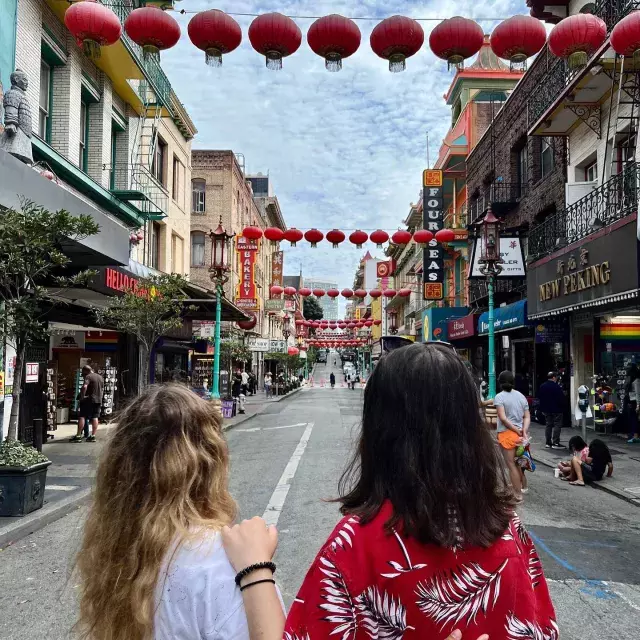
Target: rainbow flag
101,341
623,336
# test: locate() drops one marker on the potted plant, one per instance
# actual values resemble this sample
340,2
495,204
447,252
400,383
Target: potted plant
23,475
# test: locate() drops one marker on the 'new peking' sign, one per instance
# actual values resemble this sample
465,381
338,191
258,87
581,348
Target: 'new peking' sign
433,220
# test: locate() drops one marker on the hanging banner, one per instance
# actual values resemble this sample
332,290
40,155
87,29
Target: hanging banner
512,255
246,293
277,268
433,220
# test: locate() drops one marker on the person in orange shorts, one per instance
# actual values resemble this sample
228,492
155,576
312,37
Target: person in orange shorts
513,425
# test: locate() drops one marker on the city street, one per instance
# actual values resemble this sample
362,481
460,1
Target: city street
286,461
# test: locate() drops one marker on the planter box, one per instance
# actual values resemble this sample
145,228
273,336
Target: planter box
22,489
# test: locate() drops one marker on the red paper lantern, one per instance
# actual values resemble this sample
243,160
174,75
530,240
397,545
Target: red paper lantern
368,323
404,292
305,292
299,323
293,235
379,237
347,293
93,26
276,290
293,351
401,237
333,38
423,236
445,235
153,29
274,36
335,237
456,39
375,293
359,325
290,291
216,33
377,323
351,325
273,234
252,233
389,293
625,37
396,39
577,38
360,293
247,325
518,38
318,293
333,293
314,236
342,325
358,238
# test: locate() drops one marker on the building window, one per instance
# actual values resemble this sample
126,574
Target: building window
546,157
175,178
523,169
177,254
591,172
83,157
197,249
625,152
154,249
44,115
158,164
198,196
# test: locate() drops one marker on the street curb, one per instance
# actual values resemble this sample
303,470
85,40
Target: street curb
614,492
20,529
227,427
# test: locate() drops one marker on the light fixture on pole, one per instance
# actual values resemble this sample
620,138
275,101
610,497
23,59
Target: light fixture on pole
393,329
490,266
286,331
219,274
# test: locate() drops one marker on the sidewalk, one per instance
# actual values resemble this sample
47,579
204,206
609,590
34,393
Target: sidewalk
625,482
70,476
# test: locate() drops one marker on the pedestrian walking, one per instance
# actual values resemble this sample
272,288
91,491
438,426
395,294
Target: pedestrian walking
630,403
349,380
429,540
332,380
237,390
91,394
552,402
245,381
512,427
268,384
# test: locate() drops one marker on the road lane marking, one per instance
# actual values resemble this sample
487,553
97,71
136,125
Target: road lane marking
286,426
276,502
61,487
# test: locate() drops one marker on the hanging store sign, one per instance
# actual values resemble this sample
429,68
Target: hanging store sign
277,268
275,304
462,327
32,372
511,253
586,275
385,268
258,344
63,340
246,292
433,220
277,346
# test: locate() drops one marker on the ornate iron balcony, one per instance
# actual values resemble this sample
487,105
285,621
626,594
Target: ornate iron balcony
502,196
613,200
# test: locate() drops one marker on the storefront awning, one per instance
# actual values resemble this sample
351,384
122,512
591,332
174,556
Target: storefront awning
511,316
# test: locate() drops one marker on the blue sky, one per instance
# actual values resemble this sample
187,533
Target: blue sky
343,149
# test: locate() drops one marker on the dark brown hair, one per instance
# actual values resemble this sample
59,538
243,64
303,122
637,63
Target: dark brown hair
424,448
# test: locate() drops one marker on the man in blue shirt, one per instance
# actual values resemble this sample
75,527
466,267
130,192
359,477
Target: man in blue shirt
552,403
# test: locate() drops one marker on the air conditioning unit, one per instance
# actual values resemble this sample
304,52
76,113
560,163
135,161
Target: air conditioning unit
575,191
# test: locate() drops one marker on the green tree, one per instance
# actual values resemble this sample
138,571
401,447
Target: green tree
148,311
32,266
312,309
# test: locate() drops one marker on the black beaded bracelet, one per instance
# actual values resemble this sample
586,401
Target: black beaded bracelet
251,584
254,567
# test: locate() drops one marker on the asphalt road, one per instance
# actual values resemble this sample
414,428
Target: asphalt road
286,463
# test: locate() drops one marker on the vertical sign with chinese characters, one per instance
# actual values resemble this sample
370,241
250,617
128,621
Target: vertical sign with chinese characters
246,294
277,266
433,220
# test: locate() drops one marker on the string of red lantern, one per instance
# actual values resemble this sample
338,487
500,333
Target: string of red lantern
277,290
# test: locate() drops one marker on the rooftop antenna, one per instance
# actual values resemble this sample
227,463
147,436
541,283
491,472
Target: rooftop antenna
428,158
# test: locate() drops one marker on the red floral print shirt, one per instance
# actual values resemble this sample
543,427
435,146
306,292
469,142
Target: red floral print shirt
366,584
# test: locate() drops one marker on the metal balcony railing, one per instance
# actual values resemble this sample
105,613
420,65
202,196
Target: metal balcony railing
150,64
456,220
613,200
502,196
558,74
134,183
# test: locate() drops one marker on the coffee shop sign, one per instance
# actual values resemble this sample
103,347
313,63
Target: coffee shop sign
575,275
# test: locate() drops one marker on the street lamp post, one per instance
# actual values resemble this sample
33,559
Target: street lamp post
490,266
219,273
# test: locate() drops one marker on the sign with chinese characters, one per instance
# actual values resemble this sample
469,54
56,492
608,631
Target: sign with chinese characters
462,327
384,268
513,263
275,304
277,267
552,332
433,220
597,269
258,344
203,328
32,372
277,346
246,292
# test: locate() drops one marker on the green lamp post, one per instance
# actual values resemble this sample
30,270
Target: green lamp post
219,274
490,266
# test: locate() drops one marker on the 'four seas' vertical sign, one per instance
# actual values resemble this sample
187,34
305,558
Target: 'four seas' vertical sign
433,220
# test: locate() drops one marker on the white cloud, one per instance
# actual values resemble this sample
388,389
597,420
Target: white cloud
343,149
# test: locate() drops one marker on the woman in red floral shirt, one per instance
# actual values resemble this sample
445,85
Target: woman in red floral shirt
429,541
